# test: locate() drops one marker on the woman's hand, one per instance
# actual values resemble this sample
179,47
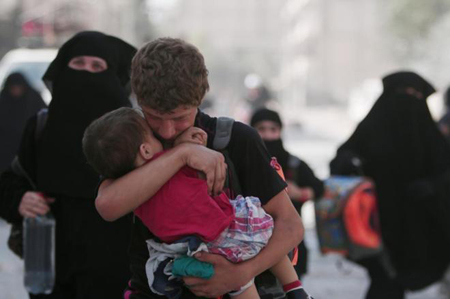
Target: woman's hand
297,193
34,204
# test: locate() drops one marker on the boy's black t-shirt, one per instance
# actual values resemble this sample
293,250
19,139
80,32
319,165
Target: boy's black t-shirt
256,178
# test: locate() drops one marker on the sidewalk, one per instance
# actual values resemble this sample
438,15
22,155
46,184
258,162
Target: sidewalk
11,269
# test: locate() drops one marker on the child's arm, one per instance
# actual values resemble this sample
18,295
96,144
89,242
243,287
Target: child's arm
192,135
196,136
118,197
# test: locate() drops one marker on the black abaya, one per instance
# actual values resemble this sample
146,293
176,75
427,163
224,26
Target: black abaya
91,254
15,110
407,157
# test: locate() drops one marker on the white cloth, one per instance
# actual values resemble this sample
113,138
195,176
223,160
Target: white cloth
159,252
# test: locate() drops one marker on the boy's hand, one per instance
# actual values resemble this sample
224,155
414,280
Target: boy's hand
224,279
192,135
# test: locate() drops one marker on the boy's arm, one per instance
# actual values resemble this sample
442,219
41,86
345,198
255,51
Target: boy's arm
118,197
287,234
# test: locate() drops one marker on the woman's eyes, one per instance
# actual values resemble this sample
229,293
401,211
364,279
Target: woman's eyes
99,66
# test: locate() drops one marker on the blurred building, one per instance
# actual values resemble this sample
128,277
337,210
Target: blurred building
51,22
236,37
330,48
307,52
8,28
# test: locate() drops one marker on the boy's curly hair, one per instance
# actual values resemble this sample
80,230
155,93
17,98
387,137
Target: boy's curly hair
167,73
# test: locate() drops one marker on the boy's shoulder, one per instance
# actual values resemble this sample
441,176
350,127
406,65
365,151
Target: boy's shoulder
244,133
240,132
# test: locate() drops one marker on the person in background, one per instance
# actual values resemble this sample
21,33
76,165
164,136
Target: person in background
303,185
444,126
87,79
401,149
444,122
18,102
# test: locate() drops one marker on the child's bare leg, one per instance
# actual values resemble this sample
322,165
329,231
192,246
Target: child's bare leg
286,275
284,271
249,293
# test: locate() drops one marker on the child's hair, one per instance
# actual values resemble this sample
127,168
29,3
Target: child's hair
167,73
111,143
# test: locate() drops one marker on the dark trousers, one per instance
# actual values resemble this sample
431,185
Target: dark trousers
381,285
302,263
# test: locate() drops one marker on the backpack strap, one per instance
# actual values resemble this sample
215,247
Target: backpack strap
222,137
42,116
224,126
16,166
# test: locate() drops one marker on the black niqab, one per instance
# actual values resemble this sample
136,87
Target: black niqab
78,98
399,144
398,80
14,113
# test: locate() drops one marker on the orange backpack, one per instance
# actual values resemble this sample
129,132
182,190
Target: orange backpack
347,220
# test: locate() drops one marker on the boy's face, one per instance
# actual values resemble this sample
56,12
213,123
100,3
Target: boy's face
169,126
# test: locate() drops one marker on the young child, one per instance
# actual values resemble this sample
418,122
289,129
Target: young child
182,210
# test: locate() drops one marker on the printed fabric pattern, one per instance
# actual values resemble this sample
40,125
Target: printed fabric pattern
247,234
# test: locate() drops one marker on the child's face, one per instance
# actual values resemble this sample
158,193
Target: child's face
153,144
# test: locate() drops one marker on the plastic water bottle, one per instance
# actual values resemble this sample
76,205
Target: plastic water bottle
39,254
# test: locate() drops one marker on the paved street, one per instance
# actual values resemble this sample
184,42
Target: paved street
11,269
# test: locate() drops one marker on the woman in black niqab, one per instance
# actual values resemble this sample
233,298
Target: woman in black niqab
407,157
18,102
78,98
91,257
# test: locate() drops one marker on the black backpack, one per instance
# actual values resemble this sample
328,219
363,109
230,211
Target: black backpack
222,137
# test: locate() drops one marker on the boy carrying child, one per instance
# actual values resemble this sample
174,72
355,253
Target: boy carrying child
169,78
